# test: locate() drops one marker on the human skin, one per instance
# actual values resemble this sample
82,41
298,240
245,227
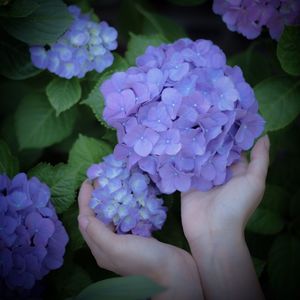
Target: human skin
171,267
213,223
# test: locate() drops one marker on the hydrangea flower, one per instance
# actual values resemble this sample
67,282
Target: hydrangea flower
124,198
84,47
249,17
182,115
32,239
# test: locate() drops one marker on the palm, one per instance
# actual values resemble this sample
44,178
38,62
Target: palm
144,255
228,205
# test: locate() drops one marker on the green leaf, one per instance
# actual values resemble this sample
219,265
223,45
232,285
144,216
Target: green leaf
36,123
86,151
265,221
63,93
95,99
155,23
76,281
44,26
69,280
254,64
123,288
259,265
284,267
288,50
278,99
69,219
283,140
138,44
187,2
15,62
130,19
8,163
276,199
61,181
19,8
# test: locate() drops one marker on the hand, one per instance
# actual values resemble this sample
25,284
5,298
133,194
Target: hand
213,223
228,207
169,266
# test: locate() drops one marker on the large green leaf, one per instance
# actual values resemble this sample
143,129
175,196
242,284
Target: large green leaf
61,180
155,23
284,268
278,99
264,221
95,99
36,123
86,151
124,288
138,44
69,219
9,164
18,8
254,64
44,26
288,50
15,61
63,93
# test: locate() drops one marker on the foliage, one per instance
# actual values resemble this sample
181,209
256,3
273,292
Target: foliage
52,128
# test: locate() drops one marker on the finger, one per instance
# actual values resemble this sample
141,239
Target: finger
84,198
240,167
83,222
259,161
97,232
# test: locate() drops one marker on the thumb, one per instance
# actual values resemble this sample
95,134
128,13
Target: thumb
94,230
259,162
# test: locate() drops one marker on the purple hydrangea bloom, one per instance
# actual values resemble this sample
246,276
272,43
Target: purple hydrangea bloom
126,199
32,239
182,115
249,17
84,47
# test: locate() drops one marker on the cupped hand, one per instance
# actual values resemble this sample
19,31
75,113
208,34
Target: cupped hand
227,208
128,254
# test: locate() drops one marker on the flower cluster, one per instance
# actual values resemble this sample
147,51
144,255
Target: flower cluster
125,198
84,47
182,115
248,17
32,239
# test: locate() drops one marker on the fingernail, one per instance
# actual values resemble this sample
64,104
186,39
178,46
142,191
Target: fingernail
83,222
267,142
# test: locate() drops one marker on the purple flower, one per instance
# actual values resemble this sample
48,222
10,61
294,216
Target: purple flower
168,143
251,125
131,205
248,17
28,228
119,105
172,179
172,99
142,139
187,115
157,118
84,47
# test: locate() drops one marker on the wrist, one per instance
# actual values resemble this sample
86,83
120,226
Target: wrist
216,238
180,278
